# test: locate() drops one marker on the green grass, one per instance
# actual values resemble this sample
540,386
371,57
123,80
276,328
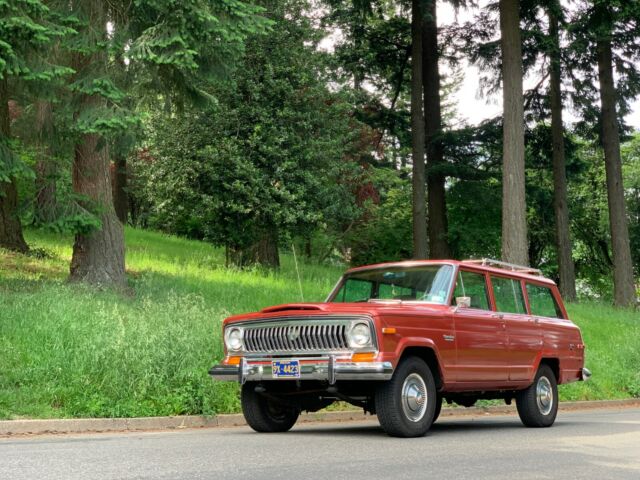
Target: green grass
69,351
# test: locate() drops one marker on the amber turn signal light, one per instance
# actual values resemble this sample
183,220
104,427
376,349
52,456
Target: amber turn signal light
363,357
389,331
233,361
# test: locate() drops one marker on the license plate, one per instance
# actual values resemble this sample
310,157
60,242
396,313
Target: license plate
285,369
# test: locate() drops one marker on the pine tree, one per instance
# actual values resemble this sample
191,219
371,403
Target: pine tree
605,34
174,50
514,209
566,268
26,27
420,247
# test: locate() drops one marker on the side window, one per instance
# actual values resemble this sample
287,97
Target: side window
354,290
542,302
472,285
508,295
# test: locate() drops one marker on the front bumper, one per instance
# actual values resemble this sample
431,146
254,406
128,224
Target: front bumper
323,369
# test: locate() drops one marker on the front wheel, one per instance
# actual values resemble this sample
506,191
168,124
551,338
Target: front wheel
538,404
264,414
406,404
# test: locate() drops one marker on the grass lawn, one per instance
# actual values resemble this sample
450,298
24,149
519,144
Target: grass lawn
69,351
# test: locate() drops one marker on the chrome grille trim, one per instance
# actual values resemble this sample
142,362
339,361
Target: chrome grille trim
296,338
299,335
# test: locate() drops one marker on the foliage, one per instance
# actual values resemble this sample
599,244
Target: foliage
272,155
27,28
384,233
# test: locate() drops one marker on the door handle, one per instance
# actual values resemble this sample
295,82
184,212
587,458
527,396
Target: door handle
498,315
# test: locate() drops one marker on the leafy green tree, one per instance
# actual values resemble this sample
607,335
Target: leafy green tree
270,160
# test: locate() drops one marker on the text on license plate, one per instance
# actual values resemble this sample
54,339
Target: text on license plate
285,369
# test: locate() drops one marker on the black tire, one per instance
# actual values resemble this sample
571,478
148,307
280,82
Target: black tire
436,414
265,415
538,404
395,414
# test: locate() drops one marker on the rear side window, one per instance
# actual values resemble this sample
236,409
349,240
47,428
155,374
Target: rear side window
508,295
472,285
542,302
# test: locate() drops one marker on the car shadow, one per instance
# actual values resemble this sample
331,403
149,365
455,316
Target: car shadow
443,427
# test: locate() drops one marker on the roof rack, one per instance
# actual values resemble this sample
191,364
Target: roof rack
507,266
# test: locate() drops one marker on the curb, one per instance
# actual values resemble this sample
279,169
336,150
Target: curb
97,425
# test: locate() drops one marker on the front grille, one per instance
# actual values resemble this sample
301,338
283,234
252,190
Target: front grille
301,336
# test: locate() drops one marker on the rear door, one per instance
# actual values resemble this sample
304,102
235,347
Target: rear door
523,332
480,333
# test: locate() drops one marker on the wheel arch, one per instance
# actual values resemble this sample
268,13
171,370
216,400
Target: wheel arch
429,356
553,363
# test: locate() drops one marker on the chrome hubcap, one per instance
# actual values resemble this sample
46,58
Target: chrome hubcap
544,395
414,397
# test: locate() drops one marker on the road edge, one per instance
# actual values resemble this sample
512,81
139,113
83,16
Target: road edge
98,425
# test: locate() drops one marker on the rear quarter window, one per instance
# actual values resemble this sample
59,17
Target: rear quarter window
542,302
508,295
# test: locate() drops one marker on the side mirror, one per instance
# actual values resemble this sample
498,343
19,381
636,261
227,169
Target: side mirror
463,302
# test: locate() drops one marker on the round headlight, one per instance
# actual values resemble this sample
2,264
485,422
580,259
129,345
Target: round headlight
234,339
360,335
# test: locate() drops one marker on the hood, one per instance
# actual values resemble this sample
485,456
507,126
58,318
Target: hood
300,310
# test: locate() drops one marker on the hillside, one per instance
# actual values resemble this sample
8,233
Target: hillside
68,351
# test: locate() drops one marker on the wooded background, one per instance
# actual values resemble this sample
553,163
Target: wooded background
224,120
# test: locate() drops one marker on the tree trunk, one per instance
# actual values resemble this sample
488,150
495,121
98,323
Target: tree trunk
563,236
624,291
308,247
46,200
514,208
266,251
420,249
11,236
120,192
436,194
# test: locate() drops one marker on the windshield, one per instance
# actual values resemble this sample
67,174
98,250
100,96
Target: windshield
427,283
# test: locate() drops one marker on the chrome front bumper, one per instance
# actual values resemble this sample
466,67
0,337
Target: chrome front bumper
323,369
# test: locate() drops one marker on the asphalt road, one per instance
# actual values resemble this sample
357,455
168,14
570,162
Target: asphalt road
601,444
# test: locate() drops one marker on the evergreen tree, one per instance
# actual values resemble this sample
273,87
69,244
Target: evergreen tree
174,48
566,267
514,209
26,28
436,194
420,246
605,34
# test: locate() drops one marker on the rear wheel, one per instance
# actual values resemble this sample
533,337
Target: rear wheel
264,414
538,404
406,404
